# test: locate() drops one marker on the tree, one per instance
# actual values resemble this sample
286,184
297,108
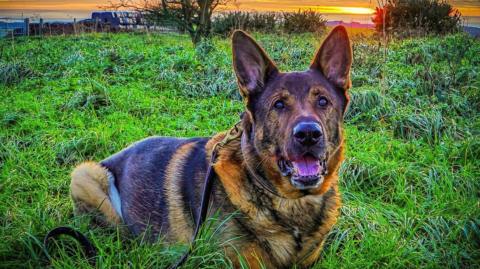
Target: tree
193,16
410,17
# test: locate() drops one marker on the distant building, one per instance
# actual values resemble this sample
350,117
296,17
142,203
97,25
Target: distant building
118,19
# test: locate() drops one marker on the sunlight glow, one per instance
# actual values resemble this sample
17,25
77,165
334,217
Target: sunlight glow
266,5
343,10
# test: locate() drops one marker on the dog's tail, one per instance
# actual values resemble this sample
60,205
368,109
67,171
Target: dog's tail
89,189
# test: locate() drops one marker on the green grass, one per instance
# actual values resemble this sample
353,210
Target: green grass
410,182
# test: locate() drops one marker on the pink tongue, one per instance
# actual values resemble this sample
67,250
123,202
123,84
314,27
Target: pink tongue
307,166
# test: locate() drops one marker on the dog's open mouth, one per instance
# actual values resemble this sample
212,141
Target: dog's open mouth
306,172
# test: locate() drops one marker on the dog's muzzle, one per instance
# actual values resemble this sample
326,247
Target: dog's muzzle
306,172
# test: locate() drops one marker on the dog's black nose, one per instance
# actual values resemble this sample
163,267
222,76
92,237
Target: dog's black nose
307,133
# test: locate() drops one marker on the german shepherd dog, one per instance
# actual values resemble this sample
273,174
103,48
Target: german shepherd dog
277,183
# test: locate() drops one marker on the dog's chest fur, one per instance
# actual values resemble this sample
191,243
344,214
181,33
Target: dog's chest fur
283,231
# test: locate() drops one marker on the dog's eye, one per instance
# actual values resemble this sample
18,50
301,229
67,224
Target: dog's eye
322,102
279,104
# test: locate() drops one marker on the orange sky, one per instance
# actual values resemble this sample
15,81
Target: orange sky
467,7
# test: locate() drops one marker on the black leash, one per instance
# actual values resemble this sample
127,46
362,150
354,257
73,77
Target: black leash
232,134
90,249
207,191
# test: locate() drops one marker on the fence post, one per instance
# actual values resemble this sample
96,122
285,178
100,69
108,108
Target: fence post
41,27
27,27
96,24
75,26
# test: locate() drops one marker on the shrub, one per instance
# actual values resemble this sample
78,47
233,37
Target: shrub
416,17
264,22
225,23
303,21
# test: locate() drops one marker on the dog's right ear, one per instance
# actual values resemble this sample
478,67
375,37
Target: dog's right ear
251,64
334,58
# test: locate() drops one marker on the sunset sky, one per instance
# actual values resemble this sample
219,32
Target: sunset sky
77,8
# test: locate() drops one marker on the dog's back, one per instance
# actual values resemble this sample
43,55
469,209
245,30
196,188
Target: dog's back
152,183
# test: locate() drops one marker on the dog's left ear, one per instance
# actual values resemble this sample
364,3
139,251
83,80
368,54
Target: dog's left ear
252,65
334,58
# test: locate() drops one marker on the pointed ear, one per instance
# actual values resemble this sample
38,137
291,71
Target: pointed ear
334,58
251,64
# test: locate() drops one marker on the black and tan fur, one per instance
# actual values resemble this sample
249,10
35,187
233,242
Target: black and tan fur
160,179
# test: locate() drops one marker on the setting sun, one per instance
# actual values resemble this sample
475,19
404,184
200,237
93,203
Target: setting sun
343,10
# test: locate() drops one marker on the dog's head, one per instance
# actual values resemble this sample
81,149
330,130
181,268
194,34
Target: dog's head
295,119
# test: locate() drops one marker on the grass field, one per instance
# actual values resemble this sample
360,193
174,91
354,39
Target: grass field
410,182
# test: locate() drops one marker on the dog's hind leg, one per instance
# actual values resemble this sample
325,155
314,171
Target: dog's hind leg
89,189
